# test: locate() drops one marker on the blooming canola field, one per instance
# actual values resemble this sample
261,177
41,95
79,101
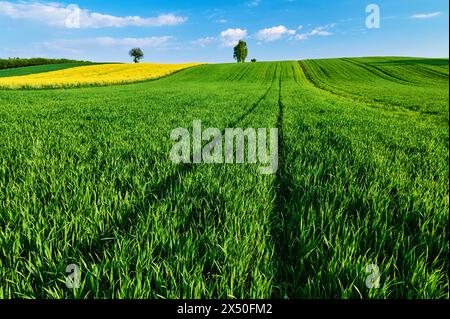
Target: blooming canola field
95,75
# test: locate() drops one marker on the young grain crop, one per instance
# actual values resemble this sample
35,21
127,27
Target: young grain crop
86,178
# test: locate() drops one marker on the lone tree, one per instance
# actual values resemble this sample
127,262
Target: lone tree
137,54
240,51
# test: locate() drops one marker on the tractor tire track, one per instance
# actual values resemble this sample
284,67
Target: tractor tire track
281,183
158,192
376,70
375,103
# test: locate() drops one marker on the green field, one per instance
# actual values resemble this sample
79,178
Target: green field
16,63
40,69
86,179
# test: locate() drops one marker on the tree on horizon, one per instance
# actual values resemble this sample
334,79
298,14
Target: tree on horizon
137,54
240,51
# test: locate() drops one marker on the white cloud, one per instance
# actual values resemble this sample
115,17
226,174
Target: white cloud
425,15
222,21
254,3
149,42
71,16
104,49
273,33
109,42
319,31
231,37
203,42
302,37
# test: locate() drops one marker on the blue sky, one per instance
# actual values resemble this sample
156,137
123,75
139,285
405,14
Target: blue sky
185,31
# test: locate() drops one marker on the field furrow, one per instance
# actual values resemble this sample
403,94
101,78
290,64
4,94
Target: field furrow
351,198
86,178
358,83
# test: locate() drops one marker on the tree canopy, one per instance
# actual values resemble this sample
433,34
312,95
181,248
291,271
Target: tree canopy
240,51
137,54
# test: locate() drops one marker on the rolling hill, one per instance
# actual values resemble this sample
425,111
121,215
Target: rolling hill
86,179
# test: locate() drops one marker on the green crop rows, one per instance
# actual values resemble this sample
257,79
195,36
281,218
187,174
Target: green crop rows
86,179
40,69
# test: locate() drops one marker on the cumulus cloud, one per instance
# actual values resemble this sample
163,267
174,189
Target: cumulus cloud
319,31
203,42
231,37
254,3
301,37
71,16
273,33
425,15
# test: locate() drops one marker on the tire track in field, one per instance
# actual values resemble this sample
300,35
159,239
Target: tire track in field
342,94
373,69
288,249
427,71
319,87
354,99
255,105
236,76
160,191
283,193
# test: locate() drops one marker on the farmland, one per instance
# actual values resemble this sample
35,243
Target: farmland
14,63
86,179
39,69
101,74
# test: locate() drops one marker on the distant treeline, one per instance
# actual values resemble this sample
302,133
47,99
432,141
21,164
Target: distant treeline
17,62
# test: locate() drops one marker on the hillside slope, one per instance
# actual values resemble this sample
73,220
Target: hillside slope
363,179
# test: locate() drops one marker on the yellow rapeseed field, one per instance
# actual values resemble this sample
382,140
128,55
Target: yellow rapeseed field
102,74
